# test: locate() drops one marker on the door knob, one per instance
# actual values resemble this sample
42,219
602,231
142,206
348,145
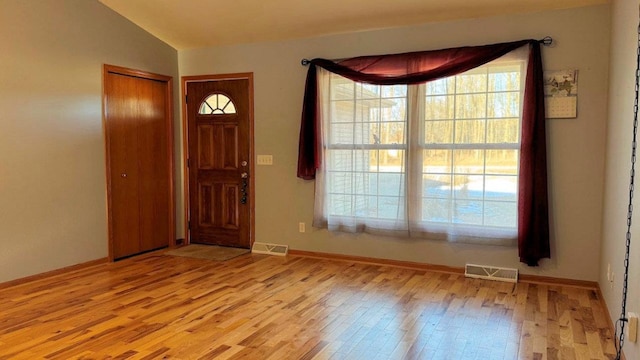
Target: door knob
124,175
244,175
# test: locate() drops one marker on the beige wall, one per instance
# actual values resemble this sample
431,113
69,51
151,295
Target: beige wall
624,42
52,167
576,146
52,187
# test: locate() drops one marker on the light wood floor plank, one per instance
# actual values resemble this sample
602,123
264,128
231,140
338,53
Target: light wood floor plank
264,307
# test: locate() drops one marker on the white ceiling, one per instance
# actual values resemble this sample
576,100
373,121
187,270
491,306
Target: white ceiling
186,24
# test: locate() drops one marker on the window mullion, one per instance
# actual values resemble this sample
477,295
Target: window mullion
379,154
453,142
354,178
415,139
484,158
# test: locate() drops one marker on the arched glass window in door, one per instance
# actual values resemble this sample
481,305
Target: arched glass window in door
217,104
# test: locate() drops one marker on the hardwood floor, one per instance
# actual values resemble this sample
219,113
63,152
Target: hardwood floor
266,307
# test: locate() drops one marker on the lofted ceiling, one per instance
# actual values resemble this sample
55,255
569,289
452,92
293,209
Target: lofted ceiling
186,24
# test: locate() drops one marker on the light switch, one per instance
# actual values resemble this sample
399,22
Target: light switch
265,160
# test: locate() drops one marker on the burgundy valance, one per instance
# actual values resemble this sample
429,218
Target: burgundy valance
424,66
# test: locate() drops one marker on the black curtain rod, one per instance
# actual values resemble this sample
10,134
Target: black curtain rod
546,41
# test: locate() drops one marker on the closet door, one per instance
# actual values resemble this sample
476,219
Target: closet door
137,113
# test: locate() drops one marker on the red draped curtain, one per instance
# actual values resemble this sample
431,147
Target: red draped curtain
424,66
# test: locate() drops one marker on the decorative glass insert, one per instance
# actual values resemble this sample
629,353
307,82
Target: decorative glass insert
217,104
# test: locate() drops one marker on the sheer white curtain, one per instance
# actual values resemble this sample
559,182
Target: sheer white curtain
361,185
437,160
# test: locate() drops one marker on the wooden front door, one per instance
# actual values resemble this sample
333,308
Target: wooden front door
219,122
139,142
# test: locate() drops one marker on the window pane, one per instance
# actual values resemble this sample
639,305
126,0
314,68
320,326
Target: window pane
468,161
471,83
467,212
439,107
391,161
367,110
438,132
471,106
367,91
503,131
341,88
504,81
437,161
470,131
394,91
391,133
468,187
365,206
217,104
382,207
340,160
502,105
441,86
365,160
503,188
344,133
391,207
393,109
436,186
362,183
342,111
229,108
389,184
348,183
435,210
502,214
502,162
340,205
341,183
375,194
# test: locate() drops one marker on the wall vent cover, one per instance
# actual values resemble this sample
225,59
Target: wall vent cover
269,249
491,273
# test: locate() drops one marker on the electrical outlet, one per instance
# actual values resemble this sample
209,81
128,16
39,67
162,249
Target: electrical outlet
633,327
301,227
613,276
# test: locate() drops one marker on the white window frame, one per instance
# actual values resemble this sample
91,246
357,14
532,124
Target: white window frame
413,170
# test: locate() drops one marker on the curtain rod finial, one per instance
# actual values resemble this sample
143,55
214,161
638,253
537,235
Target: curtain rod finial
305,62
547,41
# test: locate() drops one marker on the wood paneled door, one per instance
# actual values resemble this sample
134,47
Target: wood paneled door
219,122
139,149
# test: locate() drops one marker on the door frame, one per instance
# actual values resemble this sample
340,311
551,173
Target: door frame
185,147
106,69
